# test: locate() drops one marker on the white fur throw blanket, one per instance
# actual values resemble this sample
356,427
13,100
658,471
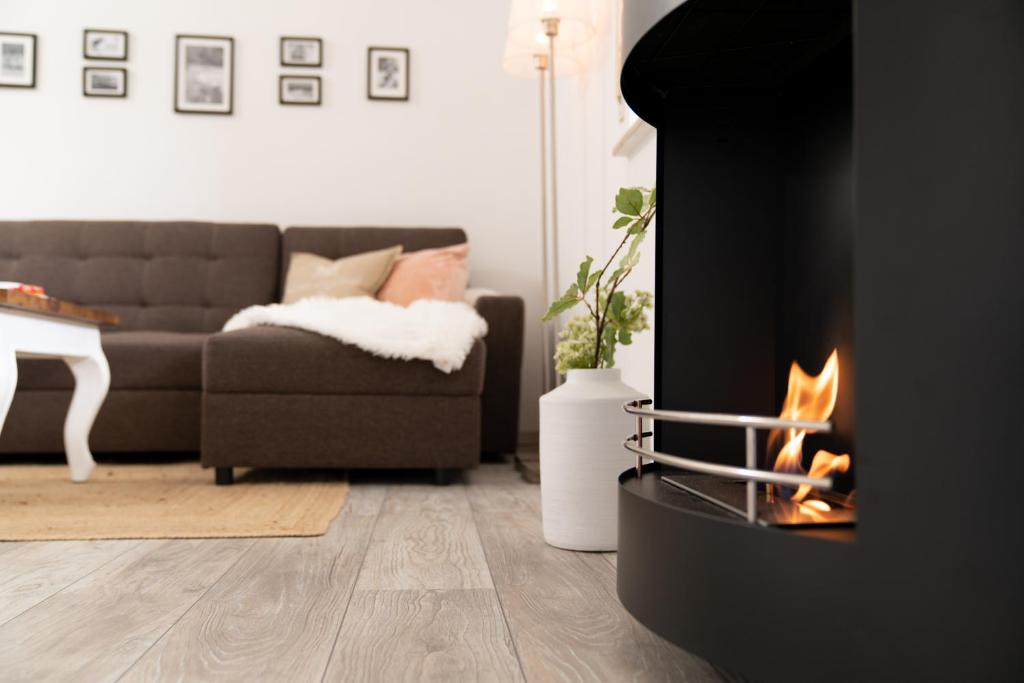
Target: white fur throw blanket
442,332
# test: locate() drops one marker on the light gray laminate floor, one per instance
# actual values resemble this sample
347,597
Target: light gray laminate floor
412,582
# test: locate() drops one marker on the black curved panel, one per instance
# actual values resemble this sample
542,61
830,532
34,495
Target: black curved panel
640,16
829,182
759,602
711,46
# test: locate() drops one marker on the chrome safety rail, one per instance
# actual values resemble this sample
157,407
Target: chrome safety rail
749,473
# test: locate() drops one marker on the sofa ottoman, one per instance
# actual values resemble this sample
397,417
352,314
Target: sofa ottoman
280,397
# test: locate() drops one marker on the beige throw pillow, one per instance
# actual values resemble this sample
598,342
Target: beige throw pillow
359,275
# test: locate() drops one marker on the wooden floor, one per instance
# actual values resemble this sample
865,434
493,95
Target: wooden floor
412,582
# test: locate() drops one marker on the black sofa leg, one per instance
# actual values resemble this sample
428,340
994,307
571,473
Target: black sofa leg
224,476
443,476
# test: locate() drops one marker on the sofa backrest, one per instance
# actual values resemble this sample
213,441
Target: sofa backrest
176,276
336,242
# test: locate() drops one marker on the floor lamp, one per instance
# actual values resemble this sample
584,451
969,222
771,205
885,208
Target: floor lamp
534,28
536,63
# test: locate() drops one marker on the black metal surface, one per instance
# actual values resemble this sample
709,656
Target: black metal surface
755,249
757,601
939,308
706,46
915,187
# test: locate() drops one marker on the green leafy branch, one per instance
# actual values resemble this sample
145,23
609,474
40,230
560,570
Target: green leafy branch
613,316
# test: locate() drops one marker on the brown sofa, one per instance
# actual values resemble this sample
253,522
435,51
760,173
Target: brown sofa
262,397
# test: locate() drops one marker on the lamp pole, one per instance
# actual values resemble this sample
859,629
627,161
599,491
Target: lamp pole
551,31
541,64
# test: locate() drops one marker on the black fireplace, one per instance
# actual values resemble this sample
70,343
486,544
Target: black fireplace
848,176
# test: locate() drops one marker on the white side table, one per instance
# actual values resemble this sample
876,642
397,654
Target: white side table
35,327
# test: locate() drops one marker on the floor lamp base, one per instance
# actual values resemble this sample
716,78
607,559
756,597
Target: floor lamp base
527,461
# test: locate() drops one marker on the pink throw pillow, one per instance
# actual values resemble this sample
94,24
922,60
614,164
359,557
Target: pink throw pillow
428,274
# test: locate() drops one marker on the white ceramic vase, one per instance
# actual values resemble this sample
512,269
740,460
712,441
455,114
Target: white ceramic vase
582,427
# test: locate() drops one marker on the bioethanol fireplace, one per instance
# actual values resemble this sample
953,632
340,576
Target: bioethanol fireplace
784,493
838,259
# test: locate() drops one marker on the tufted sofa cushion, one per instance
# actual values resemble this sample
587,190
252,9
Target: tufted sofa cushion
139,360
173,276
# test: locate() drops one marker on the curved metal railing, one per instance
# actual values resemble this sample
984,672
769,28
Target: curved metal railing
749,423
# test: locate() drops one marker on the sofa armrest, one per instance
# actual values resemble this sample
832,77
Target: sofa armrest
499,403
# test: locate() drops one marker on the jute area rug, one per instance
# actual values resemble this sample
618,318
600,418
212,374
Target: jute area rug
179,500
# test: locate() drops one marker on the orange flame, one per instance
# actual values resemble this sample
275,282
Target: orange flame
823,464
819,505
814,399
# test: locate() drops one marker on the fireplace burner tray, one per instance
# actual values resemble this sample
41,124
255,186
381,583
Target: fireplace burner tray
730,495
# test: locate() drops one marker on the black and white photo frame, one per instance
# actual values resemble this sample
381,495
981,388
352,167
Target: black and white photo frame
387,76
104,44
299,90
302,51
204,74
101,81
18,60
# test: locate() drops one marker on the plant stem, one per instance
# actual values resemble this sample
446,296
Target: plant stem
601,317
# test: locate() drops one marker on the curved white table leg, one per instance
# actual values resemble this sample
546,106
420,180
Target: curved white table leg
92,379
8,381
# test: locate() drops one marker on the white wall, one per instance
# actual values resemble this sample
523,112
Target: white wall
461,152
589,128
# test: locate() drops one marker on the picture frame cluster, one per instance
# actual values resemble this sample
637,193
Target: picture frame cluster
300,89
204,69
109,46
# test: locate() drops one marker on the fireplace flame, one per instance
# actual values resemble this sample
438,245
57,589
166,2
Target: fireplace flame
823,464
809,398
819,505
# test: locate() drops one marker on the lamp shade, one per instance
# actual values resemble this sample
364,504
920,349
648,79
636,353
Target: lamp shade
521,62
526,22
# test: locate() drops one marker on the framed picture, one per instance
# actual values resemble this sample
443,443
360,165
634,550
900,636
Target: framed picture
296,51
204,74
103,44
104,82
17,60
388,73
299,90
